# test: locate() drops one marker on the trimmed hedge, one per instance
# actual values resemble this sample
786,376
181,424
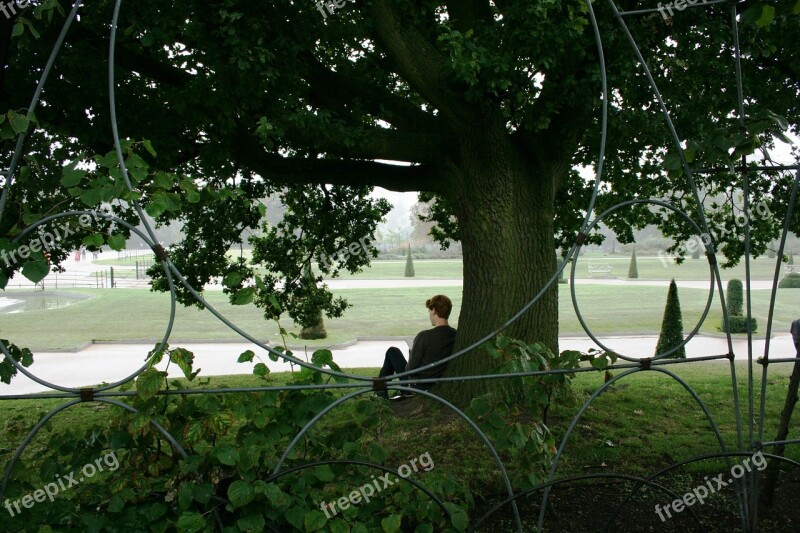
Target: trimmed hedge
791,281
738,324
735,297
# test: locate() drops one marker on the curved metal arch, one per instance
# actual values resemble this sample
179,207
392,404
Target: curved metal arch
35,101
64,406
697,459
481,434
161,344
709,251
547,485
367,464
166,264
597,394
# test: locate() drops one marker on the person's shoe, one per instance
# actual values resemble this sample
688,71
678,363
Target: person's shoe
403,396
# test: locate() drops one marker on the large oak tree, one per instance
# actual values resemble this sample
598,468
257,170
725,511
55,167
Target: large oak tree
490,105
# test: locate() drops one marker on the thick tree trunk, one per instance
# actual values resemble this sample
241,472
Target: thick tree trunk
505,216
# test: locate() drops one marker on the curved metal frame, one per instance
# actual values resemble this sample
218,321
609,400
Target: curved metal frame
749,487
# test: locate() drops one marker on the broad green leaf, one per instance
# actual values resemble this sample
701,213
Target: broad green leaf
137,175
324,473
19,122
672,161
93,240
246,357
173,201
116,242
600,363
109,160
115,505
240,493
276,497
296,517
273,300
31,27
149,147
226,454
338,526
91,197
163,180
253,522
190,522
244,296
767,15
232,279
479,406
185,496
314,521
184,359
391,524
203,492
149,383
35,270
71,176
458,517
154,209
154,511
260,369
321,358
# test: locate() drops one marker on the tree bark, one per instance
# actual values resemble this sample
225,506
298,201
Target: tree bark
768,493
505,216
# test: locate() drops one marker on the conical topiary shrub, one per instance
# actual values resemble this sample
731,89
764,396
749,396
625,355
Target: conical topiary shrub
672,326
409,264
633,268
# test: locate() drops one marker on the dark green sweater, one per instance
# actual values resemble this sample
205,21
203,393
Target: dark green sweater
430,346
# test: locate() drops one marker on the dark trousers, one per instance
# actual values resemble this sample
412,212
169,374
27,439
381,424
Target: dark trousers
394,362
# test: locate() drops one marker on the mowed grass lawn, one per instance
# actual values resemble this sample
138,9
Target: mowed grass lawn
650,267
138,314
641,423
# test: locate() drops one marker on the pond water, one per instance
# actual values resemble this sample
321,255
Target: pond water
26,302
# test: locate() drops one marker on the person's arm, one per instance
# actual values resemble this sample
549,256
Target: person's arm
415,357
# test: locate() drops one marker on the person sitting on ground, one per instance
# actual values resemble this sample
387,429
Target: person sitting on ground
428,347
